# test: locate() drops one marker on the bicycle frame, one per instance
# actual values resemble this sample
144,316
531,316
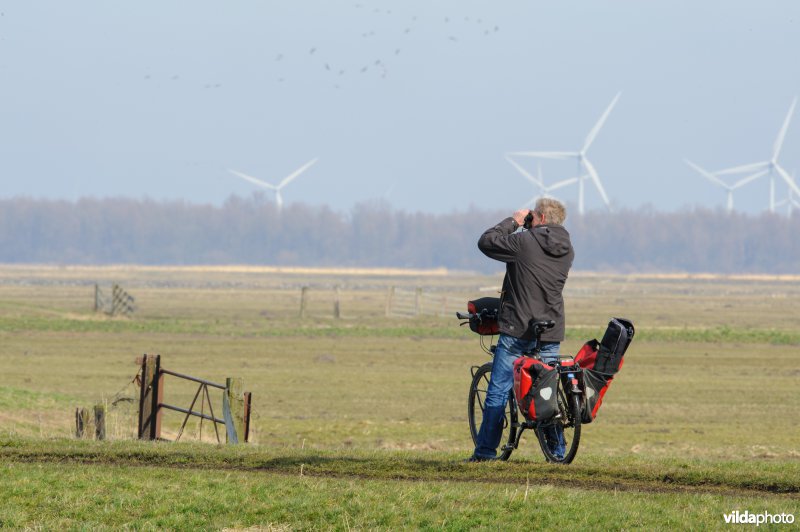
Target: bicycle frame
569,390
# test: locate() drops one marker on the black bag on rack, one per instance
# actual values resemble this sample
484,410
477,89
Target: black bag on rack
486,310
600,361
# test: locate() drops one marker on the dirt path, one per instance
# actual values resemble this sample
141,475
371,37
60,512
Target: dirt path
466,473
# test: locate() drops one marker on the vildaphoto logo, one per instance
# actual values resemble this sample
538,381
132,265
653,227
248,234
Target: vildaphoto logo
764,518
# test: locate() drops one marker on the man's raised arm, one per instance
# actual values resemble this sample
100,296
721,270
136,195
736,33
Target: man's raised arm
500,242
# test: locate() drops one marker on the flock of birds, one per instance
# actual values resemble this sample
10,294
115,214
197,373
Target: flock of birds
393,41
400,37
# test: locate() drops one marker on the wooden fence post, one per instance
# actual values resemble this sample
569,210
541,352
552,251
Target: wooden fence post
81,422
99,422
150,397
96,297
389,301
248,404
114,299
336,311
233,410
303,298
417,301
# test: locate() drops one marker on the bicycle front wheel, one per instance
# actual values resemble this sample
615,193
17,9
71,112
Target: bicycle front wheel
475,403
559,437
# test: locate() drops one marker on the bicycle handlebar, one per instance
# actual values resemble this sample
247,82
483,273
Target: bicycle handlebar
478,315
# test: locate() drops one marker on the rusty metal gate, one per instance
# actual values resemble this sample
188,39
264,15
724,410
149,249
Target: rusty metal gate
236,404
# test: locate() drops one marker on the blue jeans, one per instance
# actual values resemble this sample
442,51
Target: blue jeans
500,383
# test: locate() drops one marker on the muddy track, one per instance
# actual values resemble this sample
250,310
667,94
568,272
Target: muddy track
292,468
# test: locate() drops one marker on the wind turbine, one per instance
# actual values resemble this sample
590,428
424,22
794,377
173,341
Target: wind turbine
730,188
544,191
277,188
791,202
580,156
771,166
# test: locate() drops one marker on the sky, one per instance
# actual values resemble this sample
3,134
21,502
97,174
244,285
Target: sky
414,103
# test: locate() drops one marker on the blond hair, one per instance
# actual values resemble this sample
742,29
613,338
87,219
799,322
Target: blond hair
554,211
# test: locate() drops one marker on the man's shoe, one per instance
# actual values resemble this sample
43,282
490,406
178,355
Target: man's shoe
476,458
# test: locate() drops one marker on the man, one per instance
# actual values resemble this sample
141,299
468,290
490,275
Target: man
537,264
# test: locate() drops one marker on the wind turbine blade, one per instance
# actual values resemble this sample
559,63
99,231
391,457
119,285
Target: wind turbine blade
562,184
296,173
278,199
252,179
546,154
742,169
596,129
596,180
708,175
787,178
524,172
776,148
749,178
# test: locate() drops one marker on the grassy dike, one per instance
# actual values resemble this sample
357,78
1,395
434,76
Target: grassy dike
67,483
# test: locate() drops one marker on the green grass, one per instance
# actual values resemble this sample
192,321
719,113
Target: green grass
67,483
67,496
18,398
431,328
626,472
699,422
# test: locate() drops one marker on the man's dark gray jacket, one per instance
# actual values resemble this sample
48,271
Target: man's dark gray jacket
537,264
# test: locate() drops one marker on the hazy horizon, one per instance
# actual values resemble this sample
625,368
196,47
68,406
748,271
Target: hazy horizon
411,103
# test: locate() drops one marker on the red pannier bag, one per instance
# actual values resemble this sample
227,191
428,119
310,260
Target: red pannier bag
535,388
486,310
600,362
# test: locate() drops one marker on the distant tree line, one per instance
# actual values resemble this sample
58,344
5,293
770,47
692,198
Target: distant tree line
251,231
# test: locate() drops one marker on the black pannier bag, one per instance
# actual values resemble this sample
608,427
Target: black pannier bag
486,310
615,342
595,387
600,361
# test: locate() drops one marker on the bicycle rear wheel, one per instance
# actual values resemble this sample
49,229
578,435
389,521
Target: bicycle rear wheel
559,437
475,402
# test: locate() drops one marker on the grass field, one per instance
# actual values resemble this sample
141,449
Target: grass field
701,422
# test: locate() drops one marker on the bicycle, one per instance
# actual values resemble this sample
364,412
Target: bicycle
569,393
